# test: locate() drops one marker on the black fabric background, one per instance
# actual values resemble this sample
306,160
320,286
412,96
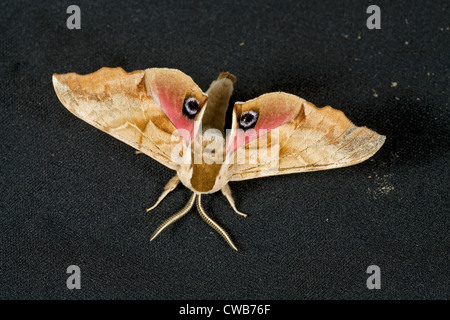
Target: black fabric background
71,194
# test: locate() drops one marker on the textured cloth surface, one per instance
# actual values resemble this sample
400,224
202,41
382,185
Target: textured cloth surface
73,195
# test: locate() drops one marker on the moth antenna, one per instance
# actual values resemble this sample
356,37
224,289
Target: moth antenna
172,184
226,191
175,217
213,224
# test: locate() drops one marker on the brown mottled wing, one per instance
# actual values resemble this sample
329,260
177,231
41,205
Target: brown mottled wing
300,138
128,105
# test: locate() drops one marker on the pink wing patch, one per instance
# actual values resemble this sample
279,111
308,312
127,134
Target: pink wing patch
169,88
272,113
170,103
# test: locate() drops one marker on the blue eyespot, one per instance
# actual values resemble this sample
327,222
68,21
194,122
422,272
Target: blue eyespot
248,119
190,107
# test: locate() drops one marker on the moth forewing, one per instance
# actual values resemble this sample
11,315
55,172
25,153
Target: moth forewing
180,150
269,149
246,150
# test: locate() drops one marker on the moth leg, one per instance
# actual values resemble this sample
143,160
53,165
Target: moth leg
138,152
175,217
172,184
226,191
213,224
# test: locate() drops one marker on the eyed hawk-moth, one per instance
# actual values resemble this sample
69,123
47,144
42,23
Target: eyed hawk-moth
162,113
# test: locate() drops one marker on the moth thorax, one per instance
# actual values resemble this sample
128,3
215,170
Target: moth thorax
206,173
209,147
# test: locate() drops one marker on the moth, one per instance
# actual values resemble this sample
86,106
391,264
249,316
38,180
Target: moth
162,113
